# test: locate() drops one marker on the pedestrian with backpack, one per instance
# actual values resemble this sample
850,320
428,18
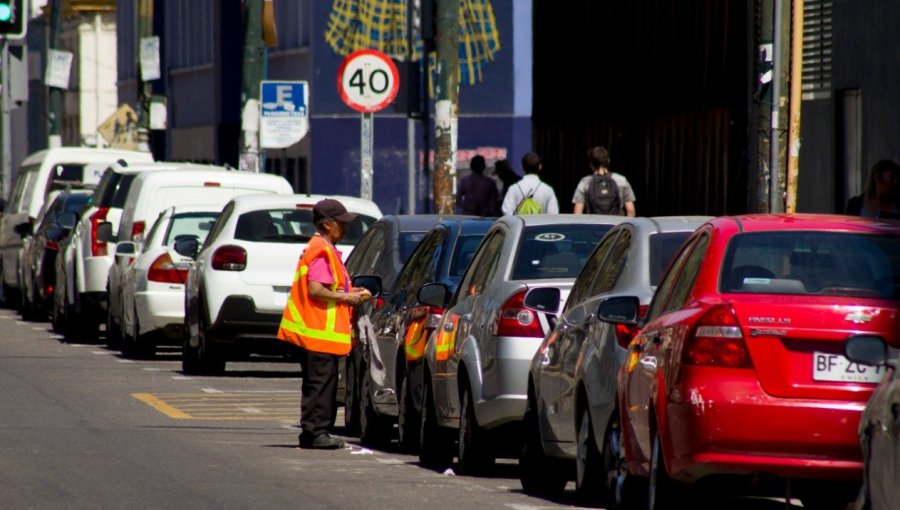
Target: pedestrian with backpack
603,192
530,195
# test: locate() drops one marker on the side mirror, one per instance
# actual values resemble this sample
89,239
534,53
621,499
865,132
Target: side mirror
544,299
433,294
126,249
67,220
24,229
105,233
620,310
866,350
368,281
187,246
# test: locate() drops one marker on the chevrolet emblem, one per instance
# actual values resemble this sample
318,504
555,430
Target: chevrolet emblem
858,317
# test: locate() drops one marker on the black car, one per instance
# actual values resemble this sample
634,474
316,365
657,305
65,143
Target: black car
41,249
385,366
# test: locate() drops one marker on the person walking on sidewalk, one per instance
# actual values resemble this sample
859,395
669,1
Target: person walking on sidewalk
603,192
478,194
531,186
317,320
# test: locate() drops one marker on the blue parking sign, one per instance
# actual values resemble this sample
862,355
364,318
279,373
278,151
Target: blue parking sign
283,115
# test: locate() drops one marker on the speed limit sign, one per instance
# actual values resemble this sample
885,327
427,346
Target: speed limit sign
368,80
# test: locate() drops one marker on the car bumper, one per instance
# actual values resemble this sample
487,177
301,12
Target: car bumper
719,427
504,387
163,310
242,326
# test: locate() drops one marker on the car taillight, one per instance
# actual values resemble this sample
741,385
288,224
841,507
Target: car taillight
98,247
164,270
514,319
51,245
48,290
379,303
717,341
625,334
434,317
229,258
137,231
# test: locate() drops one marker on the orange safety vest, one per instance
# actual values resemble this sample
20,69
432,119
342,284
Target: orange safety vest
414,340
446,340
316,325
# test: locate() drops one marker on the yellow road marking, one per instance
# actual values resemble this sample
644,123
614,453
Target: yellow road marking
246,406
161,406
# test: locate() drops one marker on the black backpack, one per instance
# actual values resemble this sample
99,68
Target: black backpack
603,196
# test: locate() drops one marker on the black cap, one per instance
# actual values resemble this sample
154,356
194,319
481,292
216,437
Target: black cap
330,208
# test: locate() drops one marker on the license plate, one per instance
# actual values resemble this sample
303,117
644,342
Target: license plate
837,368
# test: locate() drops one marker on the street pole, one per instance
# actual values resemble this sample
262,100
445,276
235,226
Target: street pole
6,165
446,108
144,29
779,79
55,115
254,59
796,97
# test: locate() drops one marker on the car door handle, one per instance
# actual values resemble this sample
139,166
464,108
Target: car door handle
648,364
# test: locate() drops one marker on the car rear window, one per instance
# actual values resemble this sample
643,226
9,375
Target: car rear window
813,263
407,242
64,175
555,251
662,249
121,191
462,255
291,226
196,224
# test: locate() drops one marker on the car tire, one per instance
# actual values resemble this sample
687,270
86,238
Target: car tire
435,442
539,474
351,398
113,333
828,495
57,318
374,429
408,419
590,484
210,357
190,358
475,454
663,493
135,345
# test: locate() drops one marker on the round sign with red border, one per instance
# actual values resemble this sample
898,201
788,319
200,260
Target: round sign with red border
368,80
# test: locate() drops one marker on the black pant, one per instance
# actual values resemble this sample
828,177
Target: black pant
319,388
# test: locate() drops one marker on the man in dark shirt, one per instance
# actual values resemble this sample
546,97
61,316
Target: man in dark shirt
477,194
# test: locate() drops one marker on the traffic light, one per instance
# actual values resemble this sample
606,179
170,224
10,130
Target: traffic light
13,19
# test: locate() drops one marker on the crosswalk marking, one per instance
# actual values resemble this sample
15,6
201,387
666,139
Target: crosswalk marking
282,406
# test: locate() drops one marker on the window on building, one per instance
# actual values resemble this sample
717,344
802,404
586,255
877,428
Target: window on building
817,28
190,29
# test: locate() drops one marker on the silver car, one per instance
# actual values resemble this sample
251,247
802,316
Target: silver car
571,410
478,357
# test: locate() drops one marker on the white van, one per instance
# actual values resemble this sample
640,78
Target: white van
153,192
41,172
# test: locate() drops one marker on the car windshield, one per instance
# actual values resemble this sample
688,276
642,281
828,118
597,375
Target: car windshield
291,226
462,255
813,263
194,224
555,251
662,249
407,242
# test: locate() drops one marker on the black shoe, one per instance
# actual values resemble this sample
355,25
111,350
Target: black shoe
321,442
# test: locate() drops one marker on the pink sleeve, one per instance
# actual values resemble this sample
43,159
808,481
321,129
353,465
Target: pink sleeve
319,271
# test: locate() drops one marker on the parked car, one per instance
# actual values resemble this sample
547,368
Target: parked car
41,247
571,417
477,360
239,285
88,258
879,429
40,173
739,366
385,365
153,286
151,193
381,252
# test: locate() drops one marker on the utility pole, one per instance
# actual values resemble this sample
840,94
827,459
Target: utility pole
446,107
54,139
254,60
6,128
780,72
144,29
796,97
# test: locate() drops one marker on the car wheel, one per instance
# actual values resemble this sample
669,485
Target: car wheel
435,442
663,493
113,333
351,398
408,419
374,429
190,358
56,315
622,489
830,495
135,345
475,454
539,474
589,482
210,358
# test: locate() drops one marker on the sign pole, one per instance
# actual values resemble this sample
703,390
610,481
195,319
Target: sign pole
7,138
366,144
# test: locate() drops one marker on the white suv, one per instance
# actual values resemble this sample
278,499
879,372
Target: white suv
239,285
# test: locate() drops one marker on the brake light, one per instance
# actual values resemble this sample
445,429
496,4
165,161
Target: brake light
625,334
48,290
98,247
229,258
137,231
514,319
164,270
379,303
717,340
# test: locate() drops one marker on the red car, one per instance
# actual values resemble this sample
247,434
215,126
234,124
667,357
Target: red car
739,366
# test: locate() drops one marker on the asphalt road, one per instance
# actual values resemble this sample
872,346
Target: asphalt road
82,427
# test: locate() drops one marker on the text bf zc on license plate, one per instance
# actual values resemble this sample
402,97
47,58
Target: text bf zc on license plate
837,368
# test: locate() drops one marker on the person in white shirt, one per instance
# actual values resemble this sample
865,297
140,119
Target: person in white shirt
531,183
